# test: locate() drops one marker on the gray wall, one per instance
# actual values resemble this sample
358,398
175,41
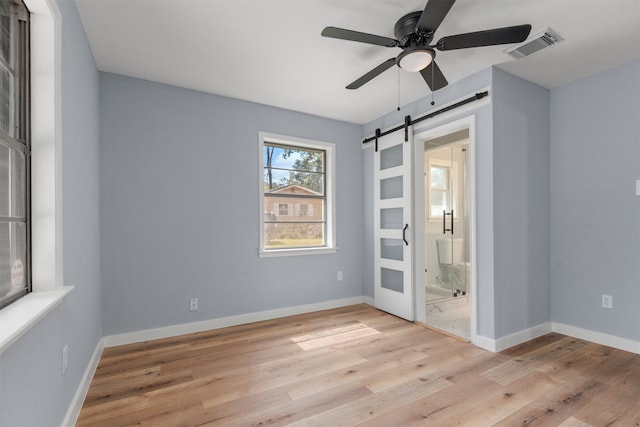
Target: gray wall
33,391
595,215
179,208
521,203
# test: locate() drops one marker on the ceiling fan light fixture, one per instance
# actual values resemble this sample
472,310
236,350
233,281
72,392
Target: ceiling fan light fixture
415,59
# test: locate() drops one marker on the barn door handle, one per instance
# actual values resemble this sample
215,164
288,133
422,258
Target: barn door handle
404,236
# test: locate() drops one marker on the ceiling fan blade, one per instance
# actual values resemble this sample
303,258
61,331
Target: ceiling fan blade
506,35
373,73
434,77
356,36
433,15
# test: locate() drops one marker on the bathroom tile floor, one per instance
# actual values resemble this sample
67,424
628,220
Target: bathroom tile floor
450,315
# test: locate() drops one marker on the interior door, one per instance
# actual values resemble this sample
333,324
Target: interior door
393,291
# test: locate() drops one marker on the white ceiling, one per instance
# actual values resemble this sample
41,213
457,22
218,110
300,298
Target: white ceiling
271,51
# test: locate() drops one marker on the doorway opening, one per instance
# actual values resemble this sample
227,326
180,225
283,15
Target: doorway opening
444,224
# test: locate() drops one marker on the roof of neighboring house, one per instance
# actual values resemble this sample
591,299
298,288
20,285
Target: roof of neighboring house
293,189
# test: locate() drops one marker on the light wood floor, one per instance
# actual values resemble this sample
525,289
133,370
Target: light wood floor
357,365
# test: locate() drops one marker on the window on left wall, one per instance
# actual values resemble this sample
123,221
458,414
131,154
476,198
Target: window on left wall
297,191
15,262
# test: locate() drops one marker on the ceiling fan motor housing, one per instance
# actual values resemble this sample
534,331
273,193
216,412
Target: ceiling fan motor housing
405,30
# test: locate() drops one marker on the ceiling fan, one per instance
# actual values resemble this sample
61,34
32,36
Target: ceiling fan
414,33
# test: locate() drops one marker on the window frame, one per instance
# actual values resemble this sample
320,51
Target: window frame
19,138
452,201
47,288
330,232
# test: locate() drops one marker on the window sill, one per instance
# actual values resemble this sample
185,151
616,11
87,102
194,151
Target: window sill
294,252
19,317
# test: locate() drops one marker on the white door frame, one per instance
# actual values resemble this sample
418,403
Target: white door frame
420,135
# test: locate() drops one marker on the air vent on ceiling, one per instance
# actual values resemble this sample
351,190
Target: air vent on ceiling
538,42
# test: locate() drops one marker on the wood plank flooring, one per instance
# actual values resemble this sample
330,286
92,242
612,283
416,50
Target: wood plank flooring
359,366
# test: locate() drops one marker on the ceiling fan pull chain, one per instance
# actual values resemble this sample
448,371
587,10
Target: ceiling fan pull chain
398,68
433,68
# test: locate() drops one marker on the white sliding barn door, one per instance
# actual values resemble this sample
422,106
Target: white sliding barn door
393,246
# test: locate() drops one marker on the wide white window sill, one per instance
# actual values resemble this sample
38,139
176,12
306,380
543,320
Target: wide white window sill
19,317
297,251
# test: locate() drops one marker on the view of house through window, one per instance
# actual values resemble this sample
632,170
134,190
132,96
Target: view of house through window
294,182
14,151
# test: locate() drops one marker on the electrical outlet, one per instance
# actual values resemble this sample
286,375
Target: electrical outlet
65,359
193,304
340,276
607,301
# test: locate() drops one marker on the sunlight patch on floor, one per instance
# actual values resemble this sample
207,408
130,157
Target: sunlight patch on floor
333,336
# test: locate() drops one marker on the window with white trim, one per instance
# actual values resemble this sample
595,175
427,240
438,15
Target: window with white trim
438,190
296,195
15,229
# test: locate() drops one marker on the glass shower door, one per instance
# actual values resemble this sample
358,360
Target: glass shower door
446,248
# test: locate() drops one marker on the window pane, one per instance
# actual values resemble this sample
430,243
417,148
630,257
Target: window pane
293,182
391,249
391,188
5,30
12,182
18,184
298,209
391,218
392,280
293,235
293,169
438,202
13,256
5,102
439,178
5,180
294,158
391,157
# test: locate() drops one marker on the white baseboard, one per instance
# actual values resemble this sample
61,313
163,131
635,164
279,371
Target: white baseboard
73,412
597,337
545,328
513,339
369,301
223,322
484,343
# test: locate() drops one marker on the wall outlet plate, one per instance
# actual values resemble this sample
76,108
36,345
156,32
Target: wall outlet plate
65,359
607,301
193,304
